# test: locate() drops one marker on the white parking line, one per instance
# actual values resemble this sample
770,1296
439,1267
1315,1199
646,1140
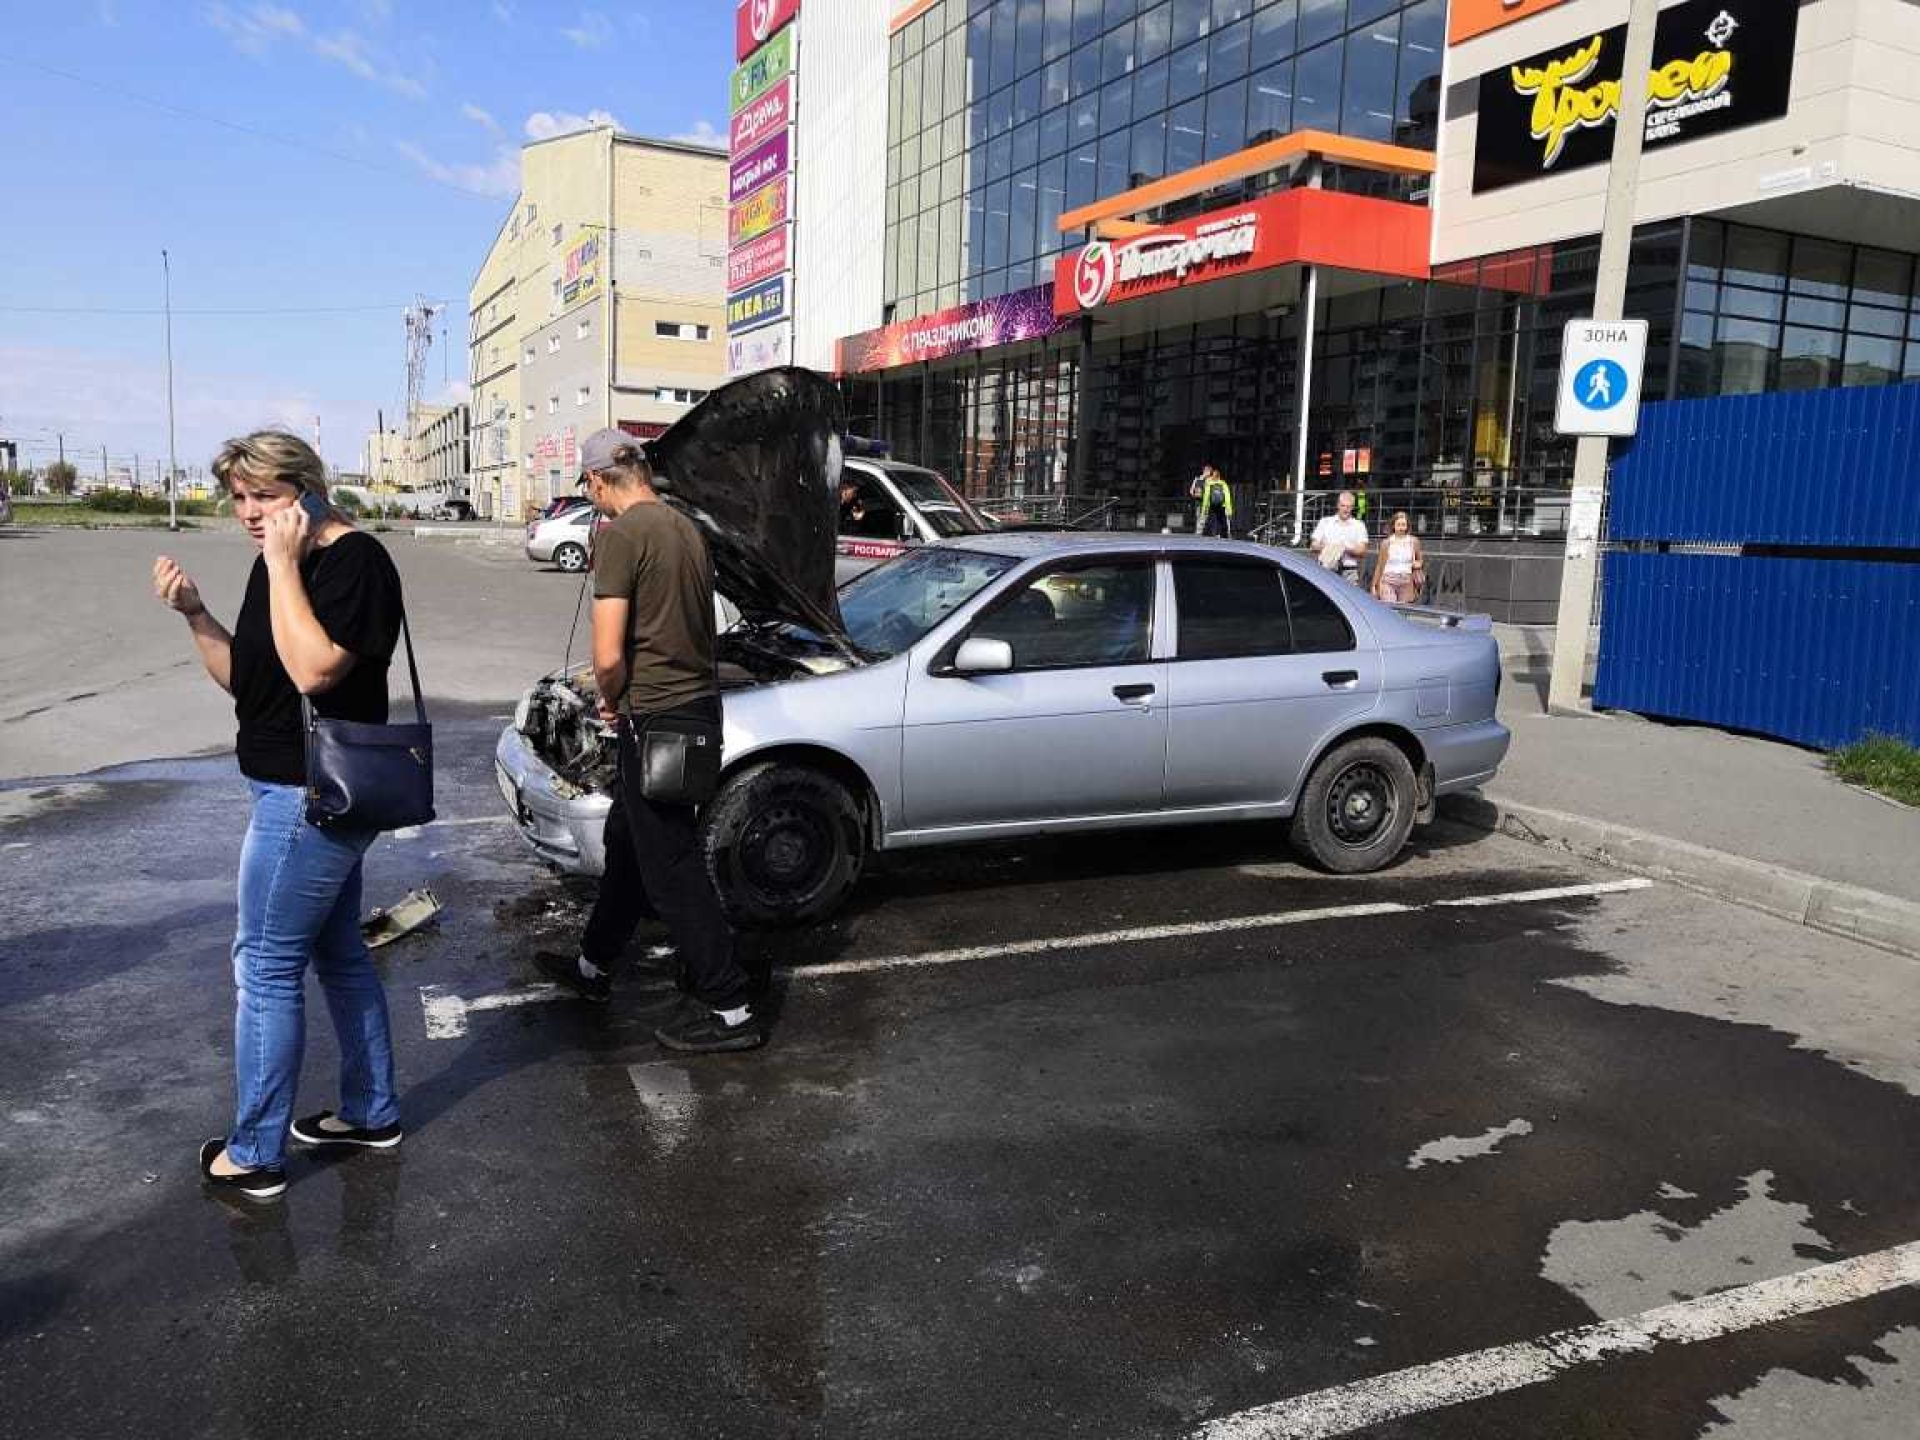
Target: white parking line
1557,892
446,1013
1346,1408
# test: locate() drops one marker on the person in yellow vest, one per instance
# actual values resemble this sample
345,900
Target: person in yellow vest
1215,497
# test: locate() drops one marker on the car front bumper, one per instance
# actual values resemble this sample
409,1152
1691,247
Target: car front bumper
564,825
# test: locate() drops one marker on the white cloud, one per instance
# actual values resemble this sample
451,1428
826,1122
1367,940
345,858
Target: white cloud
257,29
481,117
499,176
703,133
546,124
503,12
456,392
593,31
107,14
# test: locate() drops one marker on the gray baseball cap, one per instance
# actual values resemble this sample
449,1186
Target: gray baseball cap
597,451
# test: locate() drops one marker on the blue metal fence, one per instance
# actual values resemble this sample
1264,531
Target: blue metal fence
1817,650
1836,468
1820,652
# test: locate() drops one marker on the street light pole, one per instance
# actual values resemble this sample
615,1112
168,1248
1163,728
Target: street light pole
173,463
1575,620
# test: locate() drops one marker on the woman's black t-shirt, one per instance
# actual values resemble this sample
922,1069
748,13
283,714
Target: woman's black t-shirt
355,593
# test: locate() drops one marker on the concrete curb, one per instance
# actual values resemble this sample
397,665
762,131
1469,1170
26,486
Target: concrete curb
1885,921
470,533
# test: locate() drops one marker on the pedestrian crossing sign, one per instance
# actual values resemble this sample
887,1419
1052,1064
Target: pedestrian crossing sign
1600,367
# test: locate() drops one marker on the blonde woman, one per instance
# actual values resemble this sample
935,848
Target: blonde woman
320,619
1401,573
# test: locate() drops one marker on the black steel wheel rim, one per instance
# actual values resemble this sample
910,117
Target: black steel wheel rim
786,851
1362,803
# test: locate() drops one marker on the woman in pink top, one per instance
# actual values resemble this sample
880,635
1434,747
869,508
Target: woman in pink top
1401,573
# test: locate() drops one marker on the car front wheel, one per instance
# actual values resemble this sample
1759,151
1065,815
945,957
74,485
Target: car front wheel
571,558
1358,807
785,844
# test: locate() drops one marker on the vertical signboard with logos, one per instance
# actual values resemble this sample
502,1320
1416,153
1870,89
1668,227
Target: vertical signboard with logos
760,186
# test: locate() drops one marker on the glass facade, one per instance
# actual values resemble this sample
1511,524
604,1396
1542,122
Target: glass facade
1444,387
1003,114
1767,311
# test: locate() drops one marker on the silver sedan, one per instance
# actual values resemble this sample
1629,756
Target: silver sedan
1019,684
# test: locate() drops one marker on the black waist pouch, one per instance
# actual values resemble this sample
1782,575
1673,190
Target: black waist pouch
679,757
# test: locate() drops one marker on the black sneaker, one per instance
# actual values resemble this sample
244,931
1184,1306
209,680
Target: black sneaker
698,1029
564,971
254,1184
310,1132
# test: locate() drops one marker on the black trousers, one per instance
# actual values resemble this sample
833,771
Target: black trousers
1216,523
655,869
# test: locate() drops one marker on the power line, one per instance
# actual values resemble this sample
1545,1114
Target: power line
235,126
271,310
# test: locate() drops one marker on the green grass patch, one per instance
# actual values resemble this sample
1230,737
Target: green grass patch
144,511
1881,763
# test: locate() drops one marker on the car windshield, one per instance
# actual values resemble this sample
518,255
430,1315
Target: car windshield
944,510
890,607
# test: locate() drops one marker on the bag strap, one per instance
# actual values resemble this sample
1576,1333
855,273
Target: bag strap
413,670
413,676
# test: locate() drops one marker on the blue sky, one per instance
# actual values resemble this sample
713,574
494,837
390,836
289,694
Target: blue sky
339,157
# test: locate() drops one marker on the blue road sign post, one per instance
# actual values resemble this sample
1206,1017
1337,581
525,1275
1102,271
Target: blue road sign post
1600,368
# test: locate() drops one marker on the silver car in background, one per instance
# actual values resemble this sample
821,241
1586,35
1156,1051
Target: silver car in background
564,540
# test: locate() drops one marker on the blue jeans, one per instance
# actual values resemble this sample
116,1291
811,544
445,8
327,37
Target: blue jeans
300,901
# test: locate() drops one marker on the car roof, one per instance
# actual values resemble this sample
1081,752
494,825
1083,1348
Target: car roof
875,463
1032,544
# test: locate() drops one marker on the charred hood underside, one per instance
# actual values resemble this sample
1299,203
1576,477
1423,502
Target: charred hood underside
757,466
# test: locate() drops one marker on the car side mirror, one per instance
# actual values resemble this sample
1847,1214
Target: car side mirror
981,656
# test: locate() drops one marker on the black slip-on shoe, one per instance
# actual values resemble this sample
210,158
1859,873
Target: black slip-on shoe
310,1132
698,1030
254,1184
564,971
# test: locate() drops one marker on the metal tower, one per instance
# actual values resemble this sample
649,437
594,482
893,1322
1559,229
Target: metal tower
419,320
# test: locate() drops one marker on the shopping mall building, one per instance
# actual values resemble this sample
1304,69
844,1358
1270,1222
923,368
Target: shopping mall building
1069,250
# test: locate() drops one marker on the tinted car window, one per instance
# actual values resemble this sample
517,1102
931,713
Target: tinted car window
1086,615
1318,625
1230,611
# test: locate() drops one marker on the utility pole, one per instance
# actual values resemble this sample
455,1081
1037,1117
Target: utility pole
1574,624
103,467
173,463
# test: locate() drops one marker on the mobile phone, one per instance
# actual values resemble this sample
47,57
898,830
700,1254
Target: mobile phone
318,511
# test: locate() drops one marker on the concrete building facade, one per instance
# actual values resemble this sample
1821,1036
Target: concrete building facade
600,302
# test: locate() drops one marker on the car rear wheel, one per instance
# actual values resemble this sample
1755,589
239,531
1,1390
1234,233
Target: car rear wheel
570,557
785,844
1358,807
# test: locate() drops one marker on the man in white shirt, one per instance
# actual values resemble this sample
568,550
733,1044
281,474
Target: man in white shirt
1340,540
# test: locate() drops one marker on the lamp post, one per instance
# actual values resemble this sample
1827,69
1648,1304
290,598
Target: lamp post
173,463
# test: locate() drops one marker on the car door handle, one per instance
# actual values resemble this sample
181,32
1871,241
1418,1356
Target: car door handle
1131,693
1340,679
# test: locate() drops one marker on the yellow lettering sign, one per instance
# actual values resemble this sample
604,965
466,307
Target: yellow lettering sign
1563,103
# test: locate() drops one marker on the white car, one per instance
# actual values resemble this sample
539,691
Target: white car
564,540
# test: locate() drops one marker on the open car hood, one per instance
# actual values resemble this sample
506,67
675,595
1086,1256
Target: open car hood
756,465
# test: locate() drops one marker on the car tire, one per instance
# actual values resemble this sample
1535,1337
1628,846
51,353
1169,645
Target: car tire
1357,807
570,557
785,845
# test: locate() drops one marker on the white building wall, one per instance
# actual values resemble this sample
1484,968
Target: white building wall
840,173
1854,124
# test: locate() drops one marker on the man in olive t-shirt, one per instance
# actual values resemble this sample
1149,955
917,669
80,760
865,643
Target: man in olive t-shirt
653,660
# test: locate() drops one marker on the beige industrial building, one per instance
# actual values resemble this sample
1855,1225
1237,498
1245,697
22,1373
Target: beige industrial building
601,302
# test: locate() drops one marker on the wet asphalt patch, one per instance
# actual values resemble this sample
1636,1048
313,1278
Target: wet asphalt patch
1109,1192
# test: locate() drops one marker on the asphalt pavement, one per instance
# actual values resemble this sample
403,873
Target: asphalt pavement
1129,1135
